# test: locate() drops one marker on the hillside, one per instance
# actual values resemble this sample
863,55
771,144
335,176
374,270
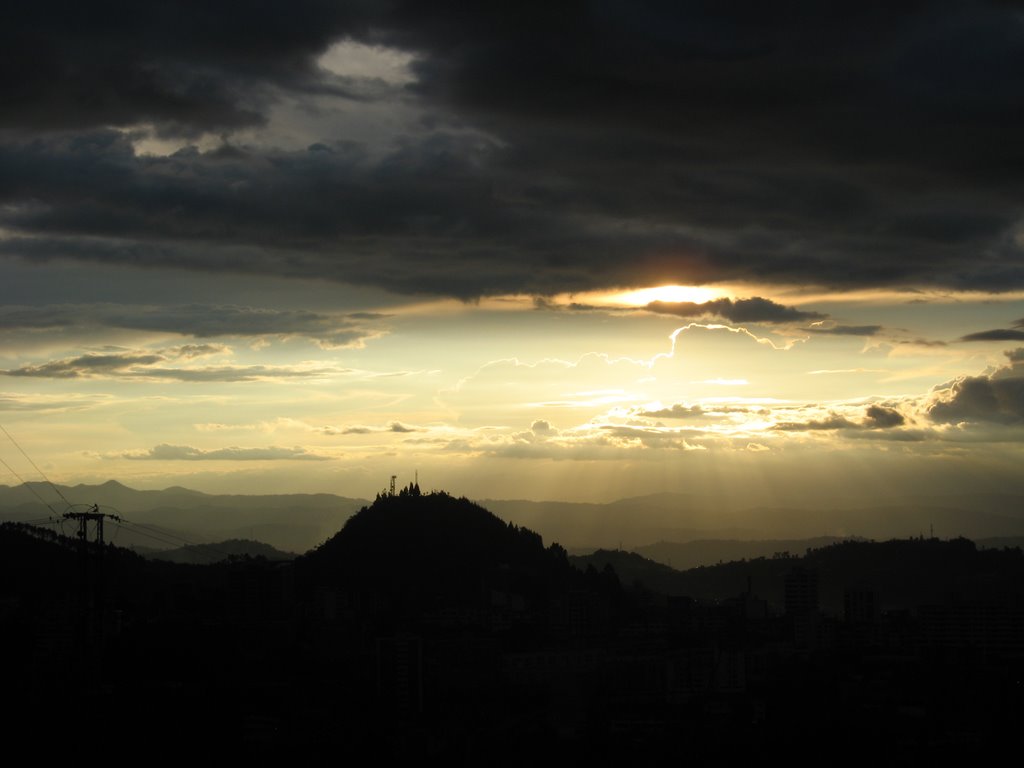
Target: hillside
904,573
413,550
683,555
216,551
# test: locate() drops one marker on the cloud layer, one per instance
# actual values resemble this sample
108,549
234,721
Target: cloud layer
754,310
166,452
171,364
197,320
561,148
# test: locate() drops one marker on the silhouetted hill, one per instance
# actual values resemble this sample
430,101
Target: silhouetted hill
417,551
41,568
34,561
692,554
631,567
904,573
1000,542
217,551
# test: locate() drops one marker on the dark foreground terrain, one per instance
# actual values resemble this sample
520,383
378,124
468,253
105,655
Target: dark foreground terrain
428,627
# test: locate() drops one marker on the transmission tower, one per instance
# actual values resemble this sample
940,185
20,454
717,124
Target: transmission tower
91,591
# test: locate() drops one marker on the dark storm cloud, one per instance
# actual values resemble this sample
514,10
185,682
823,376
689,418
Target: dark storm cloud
185,66
228,373
131,364
834,421
198,320
844,144
997,397
876,417
753,310
998,334
166,452
85,366
979,398
882,417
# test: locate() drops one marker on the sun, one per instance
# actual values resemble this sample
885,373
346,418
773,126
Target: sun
668,293
640,297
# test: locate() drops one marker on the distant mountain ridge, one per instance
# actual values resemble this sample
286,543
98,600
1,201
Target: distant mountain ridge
115,494
216,551
299,522
288,522
637,522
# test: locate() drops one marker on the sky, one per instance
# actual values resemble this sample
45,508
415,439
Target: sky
769,253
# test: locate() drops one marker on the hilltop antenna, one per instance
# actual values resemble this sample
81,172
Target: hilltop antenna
393,478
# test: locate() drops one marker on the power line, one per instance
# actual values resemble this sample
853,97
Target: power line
170,538
36,522
153,536
140,529
26,485
37,469
164,537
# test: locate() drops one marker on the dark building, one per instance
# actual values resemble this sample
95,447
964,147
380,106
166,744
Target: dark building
801,591
860,605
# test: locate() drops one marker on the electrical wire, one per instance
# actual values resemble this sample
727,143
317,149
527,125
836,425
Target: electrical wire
26,485
153,536
37,469
37,521
168,538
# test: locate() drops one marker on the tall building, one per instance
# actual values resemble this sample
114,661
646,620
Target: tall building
801,591
860,605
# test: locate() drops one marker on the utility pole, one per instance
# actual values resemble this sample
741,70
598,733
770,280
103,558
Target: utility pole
91,591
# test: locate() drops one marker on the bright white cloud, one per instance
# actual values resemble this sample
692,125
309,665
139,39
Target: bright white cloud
348,58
